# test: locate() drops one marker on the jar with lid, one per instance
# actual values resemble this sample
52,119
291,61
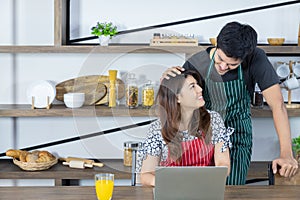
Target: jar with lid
148,95
132,92
129,147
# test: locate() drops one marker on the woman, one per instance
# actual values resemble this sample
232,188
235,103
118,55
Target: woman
186,134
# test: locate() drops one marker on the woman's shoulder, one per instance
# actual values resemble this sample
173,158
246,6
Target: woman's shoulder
214,114
154,130
156,124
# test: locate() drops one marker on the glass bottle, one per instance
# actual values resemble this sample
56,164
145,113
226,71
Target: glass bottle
258,100
129,147
132,92
148,95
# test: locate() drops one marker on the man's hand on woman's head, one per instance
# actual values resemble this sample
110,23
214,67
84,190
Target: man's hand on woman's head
172,71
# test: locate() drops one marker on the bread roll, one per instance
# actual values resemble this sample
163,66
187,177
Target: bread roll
23,155
13,153
45,156
31,157
34,156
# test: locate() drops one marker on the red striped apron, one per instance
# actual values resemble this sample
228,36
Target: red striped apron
195,153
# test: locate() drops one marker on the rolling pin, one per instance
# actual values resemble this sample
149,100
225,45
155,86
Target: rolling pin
77,164
86,161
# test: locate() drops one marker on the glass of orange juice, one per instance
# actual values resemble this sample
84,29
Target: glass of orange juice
104,185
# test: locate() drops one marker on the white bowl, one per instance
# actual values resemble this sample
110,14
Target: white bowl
74,100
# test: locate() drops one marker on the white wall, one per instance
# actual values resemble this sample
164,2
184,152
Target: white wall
30,22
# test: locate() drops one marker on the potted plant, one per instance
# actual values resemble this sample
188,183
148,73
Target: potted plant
104,31
296,147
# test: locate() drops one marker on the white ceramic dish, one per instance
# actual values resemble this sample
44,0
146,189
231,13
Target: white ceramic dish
74,100
41,90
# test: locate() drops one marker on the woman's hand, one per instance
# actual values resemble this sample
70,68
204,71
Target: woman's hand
172,71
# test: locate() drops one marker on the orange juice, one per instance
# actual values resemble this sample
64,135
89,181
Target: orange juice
104,189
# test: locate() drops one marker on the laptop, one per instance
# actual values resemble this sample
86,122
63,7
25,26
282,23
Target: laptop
190,182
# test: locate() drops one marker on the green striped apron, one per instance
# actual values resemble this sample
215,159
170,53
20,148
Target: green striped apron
232,100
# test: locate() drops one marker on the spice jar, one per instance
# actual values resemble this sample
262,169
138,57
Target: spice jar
132,92
148,95
128,148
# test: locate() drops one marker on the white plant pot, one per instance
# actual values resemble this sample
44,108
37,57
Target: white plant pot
103,40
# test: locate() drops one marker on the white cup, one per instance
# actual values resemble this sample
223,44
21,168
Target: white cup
283,71
296,69
291,83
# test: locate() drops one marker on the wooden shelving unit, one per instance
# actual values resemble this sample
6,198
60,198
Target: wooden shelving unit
61,47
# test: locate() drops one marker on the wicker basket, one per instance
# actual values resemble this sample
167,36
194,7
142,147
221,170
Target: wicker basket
30,166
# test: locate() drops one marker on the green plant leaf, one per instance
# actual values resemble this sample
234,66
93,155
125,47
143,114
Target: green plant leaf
105,28
296,144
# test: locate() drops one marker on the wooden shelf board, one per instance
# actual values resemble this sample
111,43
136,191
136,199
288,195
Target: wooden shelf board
22,110
143,48
59,171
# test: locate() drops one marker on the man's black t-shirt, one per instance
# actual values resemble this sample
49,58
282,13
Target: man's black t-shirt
256,68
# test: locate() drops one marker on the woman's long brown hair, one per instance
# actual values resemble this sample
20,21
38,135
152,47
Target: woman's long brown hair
170,114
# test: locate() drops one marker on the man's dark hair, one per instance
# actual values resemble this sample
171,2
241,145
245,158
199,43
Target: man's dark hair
237,40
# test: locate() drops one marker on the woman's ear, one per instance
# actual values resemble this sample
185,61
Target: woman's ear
177,97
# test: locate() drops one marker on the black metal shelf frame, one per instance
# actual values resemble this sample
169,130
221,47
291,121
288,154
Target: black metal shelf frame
74,41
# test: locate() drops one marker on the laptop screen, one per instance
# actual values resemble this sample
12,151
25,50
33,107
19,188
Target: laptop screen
190,182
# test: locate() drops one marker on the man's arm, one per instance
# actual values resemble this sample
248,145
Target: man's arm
286,160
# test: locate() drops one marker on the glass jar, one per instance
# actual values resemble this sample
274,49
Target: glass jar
132,92
148,95
129,146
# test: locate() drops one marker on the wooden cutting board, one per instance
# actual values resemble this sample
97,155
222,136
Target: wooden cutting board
94,87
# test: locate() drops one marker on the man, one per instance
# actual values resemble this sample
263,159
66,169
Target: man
231,70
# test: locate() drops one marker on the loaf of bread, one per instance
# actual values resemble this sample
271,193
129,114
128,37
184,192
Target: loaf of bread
45,156
34,156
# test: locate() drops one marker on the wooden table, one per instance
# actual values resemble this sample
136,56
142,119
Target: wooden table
262,192
136,192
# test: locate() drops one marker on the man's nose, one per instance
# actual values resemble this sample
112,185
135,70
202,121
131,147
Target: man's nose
223,66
